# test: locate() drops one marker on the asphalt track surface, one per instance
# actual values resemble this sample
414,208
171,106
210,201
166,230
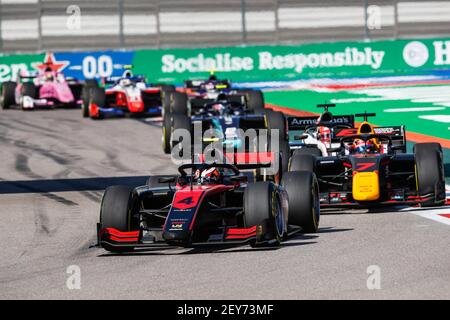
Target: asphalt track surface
54,166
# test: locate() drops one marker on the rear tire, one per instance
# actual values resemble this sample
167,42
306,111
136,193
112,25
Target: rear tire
166,132
8,98
117,211
275,120
261,211
430,175
312,151
255,100
285,153
304,204
302,162
178,103
28,90
166,92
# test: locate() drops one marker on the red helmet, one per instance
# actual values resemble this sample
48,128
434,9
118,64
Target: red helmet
324,134
210,175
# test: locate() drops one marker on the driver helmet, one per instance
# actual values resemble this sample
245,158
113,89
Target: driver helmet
210,175
48,76
221,97
212,77
127,74
125,82
209,86
324,134
360,147
218,107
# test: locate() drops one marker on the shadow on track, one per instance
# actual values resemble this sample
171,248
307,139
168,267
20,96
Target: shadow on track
63,185
294,241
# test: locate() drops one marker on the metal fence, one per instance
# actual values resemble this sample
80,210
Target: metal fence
30,25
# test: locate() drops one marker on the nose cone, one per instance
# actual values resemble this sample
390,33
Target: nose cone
366,186
178,235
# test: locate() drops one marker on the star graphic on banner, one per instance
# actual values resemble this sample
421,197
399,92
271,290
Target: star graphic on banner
50,62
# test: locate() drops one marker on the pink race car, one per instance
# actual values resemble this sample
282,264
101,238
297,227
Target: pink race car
45,89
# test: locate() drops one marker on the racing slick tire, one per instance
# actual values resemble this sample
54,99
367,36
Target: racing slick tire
117,211
178,103
262,208
8,94
255,100
430,177
302,162
166,132
275,120
167,87
303,197
166,92
97,97
85,96
312,151
180,121
28,90
285,153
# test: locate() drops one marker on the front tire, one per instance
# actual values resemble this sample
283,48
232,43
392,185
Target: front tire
86,94
97,97
303,196
117,211
262,208
430,175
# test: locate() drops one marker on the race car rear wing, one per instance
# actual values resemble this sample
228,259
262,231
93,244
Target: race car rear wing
235,99
301,123
28,74
396,133
197,84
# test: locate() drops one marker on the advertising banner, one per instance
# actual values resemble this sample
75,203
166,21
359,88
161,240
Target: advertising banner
252,63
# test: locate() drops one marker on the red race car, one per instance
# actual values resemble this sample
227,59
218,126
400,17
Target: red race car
208,204
124,95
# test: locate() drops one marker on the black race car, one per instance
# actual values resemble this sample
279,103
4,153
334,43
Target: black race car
190,99
209,204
